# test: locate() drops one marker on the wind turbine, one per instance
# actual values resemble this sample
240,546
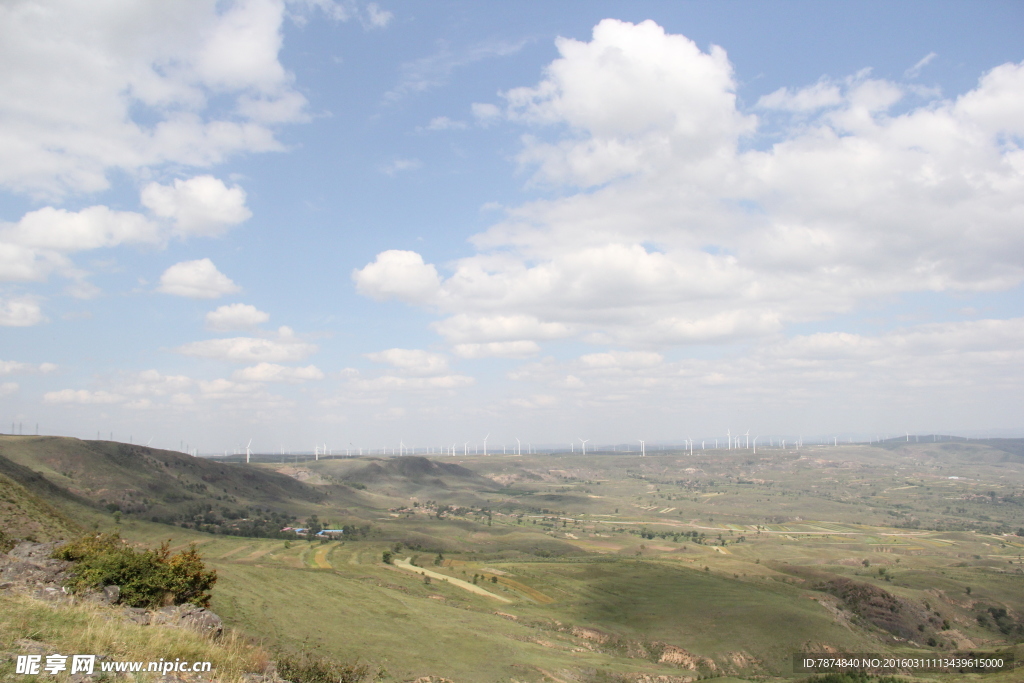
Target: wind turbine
748,439
150,440
247,453
728,435
755,444
519,446
465,448
691,445
643,449
485,442
584,445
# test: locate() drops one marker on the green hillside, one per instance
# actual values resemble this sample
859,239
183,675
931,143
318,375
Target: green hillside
25,515
606,568
150,482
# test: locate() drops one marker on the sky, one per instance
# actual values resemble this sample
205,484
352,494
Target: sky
303,222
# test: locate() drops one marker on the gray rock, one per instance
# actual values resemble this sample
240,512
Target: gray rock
137,615
111,594
191,617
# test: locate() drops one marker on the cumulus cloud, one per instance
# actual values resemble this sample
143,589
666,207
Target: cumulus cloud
629,109
821,94
271,372
82,397
670,230
202,205
398,274
20,312
376,17
91,87
235,317
91,228
833,379
523,348
393,168
386,383
12,367
42,241
412,361
198,279
286,348
445,123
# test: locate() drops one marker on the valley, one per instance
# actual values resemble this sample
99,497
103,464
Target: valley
605,567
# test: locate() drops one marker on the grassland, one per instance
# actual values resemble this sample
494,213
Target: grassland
617,567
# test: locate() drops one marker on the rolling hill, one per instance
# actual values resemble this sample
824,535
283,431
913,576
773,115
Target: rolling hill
149,482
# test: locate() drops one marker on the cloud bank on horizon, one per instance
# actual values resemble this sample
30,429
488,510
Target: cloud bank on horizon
678,255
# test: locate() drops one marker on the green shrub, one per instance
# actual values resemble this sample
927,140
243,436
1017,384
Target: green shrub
6,542
311,668
853,677
147,578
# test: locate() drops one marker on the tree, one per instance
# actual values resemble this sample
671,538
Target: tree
387,557
313,526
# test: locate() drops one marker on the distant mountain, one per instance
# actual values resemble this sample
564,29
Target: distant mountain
141,480
414,472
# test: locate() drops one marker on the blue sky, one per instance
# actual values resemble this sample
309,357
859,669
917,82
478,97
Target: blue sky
359,223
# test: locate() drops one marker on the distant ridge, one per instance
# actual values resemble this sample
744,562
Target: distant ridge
414,469
138,479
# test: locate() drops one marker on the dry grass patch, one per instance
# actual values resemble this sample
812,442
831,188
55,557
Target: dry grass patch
85,628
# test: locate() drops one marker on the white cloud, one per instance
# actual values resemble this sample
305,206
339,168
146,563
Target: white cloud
198,279
20,312
91,228
516,328
153,383
286,349
523,348
629,110
386,383
82,397
377,17
915,71
485,113
412,361
621,359
8,388
271,372
398,274
435,70
23,264
12,367
397,166
40,243
682,234
821,94
235,317
92,87
202,205
445,123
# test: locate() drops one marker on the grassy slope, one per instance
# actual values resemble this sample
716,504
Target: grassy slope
823,507
87,628
24,515
152,481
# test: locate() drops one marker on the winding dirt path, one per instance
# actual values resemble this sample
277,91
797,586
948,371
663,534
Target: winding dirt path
465,585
